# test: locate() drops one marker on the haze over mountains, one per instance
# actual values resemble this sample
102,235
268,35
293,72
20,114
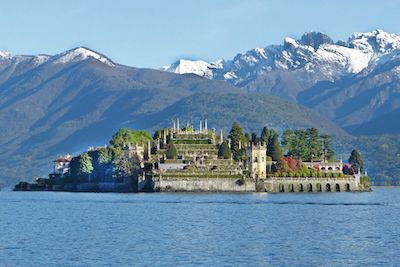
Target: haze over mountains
50,105
355,83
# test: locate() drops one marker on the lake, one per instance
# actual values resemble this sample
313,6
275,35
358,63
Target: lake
168,229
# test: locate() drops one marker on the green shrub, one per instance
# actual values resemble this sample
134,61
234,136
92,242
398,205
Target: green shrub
224,151
171,152
365,180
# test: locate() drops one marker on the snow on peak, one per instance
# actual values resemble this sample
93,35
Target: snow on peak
5,54
80,54
198,67
375,41
290,43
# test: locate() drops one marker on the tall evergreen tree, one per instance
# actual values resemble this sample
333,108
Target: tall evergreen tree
274,149
265,133
328,152
236,135
314,144
224,151
254,138
356,161
171,153
247,138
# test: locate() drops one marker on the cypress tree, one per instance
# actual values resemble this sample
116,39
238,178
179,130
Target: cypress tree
265,133
236,136
254,138
274,149
357,163
171,153
224,151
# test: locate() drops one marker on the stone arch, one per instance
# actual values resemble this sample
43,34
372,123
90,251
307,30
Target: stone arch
337,168
309,187
300,187
291,188
347,187
319,187
281,188
330,169
337,187
323,168
328,187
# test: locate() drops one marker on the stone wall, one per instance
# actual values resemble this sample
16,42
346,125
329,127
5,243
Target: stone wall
203,185
312,184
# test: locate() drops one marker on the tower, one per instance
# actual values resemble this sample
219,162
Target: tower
256,160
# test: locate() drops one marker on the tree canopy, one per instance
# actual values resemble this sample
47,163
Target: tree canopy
307,145
125,136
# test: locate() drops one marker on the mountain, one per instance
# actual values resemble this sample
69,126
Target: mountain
50,105
353,82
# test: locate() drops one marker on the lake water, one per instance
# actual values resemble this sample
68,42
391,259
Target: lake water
289,229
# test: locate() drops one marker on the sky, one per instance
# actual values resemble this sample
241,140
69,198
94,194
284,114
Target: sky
152,33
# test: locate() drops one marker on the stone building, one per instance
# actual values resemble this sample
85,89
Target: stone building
256,160
61,164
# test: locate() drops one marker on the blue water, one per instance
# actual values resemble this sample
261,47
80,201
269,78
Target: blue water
292,229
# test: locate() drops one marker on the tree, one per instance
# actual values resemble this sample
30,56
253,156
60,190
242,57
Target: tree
74,167
274,149
224,152
85,164
247,138
171,153
265,133
237,137
125,136
102,160
357,163
127,165
254,138
313,144
328,152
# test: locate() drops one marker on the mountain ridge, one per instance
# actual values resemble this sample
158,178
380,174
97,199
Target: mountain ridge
305,70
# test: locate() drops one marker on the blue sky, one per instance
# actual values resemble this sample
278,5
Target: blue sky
153,33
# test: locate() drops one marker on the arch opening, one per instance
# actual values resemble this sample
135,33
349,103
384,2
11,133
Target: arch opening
291,188
281,188
347,187
300,188
337,188
309,188
328,188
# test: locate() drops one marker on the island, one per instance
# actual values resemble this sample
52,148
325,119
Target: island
189,159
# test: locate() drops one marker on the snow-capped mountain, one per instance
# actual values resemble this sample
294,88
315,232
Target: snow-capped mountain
315,52
11,66
199,67
79,54
331,77
73,55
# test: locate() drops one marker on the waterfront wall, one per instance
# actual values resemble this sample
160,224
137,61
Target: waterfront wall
312,184
203,185
271,184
